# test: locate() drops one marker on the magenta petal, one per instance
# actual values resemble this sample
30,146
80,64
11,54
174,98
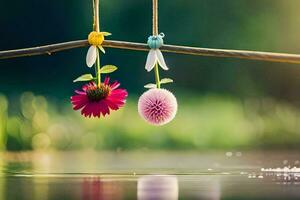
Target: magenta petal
118,96
85,111
119,92
104,108
119,103
96,111
77,98
111,105
79,105
80,92
106,80
115,85
79,101
89,109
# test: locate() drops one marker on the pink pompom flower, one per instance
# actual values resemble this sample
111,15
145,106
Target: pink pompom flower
95,101
157,106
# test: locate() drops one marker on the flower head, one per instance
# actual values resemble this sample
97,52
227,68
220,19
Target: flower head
156,41
95,101
155,56
95,39
157,106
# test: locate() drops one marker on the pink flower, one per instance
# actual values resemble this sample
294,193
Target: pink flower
157,106
94,101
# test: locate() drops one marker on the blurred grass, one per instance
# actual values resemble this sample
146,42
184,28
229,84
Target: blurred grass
3,119
203,122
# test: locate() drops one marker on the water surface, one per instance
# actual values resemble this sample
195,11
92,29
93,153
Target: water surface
148,175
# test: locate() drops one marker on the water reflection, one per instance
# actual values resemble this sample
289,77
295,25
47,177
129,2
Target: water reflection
97,189
109,176
157,187
208,190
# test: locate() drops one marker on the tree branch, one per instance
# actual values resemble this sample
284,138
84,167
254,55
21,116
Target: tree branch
249,55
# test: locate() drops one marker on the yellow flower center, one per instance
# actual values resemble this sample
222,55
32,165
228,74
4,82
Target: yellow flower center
96,38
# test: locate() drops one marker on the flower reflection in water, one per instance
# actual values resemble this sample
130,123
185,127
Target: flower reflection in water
158,187
96,189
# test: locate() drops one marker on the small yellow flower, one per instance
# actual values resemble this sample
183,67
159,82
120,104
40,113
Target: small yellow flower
95,39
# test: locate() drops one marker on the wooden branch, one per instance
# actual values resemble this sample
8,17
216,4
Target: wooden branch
250,55
47,49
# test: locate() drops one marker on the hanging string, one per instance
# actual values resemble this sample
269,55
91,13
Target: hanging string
96,15
155,17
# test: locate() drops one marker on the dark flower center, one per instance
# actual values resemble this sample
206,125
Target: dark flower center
95,93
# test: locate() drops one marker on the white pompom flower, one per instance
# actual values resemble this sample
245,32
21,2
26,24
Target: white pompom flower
157,106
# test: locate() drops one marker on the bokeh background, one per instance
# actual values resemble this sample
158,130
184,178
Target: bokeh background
223,103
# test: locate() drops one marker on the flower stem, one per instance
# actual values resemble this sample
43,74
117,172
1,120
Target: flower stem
157,79
98,69
97,28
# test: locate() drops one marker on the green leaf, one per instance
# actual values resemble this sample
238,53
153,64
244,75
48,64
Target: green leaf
166,80
108,69
102,49
150,86
85,77
106,33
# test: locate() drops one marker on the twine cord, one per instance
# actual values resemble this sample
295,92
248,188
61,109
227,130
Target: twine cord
155,17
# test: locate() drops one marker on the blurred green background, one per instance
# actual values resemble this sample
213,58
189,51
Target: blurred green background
223,103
